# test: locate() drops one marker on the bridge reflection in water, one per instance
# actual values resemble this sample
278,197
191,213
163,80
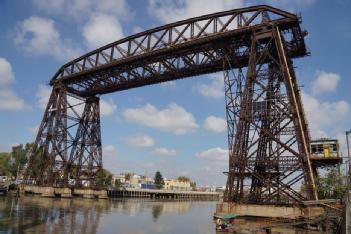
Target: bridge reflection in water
46,215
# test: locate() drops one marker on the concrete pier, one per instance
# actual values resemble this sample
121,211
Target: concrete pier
270,211
163,194
63,192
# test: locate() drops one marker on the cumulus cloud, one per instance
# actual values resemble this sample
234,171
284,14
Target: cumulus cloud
109,151
102,29
81,10
9,101
168,11
214,154
7,76
43,95
324,117
214,89
325,82
288,4
107,108
37,35
140,141
215,124
174,118
164,152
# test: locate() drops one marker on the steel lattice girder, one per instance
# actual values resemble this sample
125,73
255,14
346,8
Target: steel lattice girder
68,144
186,48
267,130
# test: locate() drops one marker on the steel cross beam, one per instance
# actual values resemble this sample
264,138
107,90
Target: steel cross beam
173,51
268,136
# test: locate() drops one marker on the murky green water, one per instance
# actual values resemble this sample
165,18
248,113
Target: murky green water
46,215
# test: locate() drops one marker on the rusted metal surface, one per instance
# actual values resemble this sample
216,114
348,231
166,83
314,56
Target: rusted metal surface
268,134
267,131
182,49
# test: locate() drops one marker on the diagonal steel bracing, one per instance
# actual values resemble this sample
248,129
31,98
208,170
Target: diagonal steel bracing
267,132
267,129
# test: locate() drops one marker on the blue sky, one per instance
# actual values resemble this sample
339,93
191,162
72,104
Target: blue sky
176,127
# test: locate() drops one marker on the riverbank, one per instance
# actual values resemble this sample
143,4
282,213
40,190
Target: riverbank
123,193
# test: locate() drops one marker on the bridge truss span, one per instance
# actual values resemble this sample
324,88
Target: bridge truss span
178,50
267,131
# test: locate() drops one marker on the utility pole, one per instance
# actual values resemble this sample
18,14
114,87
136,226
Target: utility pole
348,151
347,223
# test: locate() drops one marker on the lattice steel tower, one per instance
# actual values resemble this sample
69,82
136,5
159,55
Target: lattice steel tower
267,130
269,158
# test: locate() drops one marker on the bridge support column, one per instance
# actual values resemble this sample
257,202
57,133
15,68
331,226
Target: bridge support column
268,138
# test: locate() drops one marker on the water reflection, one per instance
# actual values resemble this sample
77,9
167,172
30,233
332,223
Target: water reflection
132,216
47,215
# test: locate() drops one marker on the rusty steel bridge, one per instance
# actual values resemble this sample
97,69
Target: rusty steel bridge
268,136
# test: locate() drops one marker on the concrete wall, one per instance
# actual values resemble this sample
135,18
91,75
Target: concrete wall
272,211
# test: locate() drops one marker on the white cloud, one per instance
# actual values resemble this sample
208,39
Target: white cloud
324,118
164,152
37,35
174,10
288,4
107,108
215,124
102,29
109,151
214,154
214,89
140,141
174,118
10,102
82,9
7,76
170,84
43,95
325,82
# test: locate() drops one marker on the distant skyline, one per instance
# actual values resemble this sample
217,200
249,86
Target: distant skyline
179,127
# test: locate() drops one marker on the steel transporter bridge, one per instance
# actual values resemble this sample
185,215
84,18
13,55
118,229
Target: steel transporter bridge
254,47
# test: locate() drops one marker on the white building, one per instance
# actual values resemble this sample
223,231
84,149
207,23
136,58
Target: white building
171,184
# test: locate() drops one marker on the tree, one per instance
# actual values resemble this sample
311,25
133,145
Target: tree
128,176
193,185
159,183
183,179
4,163
331,186
118,184
11,163
104,178
19,157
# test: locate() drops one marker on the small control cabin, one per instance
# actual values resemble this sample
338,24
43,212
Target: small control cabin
325,152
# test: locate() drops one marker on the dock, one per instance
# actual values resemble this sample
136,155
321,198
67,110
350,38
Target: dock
163,194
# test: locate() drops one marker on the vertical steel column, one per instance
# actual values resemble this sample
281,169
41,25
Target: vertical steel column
86,154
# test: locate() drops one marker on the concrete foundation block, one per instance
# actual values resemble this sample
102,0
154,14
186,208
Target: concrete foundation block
64,192
102,194
85,193
46,191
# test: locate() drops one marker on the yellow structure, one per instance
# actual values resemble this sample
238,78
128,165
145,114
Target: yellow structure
325,148
176,185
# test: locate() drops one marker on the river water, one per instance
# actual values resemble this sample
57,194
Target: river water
33,214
